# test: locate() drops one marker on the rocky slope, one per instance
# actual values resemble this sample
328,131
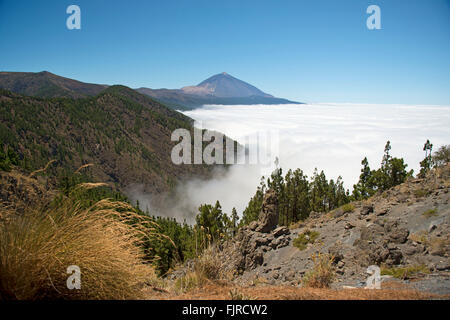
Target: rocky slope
404,227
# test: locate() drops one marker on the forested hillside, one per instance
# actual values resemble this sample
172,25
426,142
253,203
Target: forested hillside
47,85
123,135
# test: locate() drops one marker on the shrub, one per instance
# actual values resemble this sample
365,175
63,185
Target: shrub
405,272
304,238
442,156
349,207
419,193
187,282
322,274
430,213
207,267
102,240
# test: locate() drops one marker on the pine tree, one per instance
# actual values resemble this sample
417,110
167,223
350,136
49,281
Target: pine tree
427,162
364,189
234,221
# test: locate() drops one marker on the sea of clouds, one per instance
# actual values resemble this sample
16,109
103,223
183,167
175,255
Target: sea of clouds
330,136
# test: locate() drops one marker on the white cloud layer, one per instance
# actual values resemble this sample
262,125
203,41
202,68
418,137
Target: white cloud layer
332,137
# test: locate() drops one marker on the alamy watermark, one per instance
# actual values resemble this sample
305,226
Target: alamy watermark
374,280
212,147
74,20
74,280
374,20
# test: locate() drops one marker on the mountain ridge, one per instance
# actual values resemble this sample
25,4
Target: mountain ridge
47,85
222,89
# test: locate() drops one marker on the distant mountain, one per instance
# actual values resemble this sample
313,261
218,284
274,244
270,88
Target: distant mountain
47,85
224,85
219,89
124,134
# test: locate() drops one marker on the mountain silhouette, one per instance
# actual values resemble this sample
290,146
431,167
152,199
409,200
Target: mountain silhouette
221,88
225,86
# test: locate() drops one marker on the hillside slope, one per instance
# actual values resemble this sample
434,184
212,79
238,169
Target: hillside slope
47,85
404,231
125,135
404,227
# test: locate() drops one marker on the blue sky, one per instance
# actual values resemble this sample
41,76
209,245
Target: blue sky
313,51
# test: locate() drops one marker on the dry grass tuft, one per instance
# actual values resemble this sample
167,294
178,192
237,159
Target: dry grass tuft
87,165
322,274
213,291
236,294
103,241
41,170
208,267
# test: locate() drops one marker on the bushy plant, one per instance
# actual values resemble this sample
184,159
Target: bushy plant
405,272
430,213
348,208
322,274
103,240
304,238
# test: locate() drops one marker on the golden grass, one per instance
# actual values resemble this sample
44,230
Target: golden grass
102,240
90,185
41,170
213,291
322,274
84,166
208,267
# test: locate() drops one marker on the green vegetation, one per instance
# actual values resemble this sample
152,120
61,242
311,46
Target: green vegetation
405,272
419,193
304,238
115,129
349,207
8,158
426,164
298,196
442,156
183,241
391,173
430,213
